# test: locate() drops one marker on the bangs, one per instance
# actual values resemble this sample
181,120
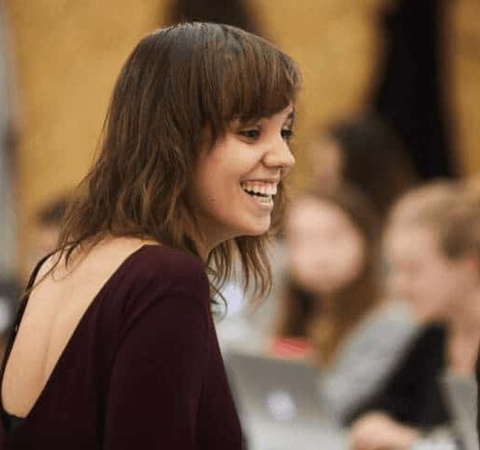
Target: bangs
245,81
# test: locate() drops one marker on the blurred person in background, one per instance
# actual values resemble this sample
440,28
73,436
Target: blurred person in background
333,308
432,244
365,152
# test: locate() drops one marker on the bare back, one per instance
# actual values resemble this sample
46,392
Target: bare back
55,307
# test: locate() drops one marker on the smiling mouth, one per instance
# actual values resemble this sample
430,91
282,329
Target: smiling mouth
260,191
262,198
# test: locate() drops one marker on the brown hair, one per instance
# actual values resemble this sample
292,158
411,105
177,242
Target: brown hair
179,85
301,316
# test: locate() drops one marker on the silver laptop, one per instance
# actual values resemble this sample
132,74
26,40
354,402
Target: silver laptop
280,404
460,394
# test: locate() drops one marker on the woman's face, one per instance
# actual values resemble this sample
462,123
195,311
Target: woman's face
420,274
236,180
325,250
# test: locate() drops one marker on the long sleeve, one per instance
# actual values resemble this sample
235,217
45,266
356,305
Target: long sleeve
156,382
367,359
412,394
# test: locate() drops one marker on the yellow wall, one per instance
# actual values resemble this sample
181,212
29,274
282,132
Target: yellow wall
68,54
464,48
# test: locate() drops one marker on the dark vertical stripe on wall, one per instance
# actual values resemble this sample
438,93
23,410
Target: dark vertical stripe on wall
410,94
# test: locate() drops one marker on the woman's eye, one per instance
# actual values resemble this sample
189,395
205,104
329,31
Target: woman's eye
287,134
251,134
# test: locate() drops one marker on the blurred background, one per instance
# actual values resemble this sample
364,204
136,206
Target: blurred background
418,63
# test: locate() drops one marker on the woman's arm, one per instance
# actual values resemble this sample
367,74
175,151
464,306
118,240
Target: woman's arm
157,377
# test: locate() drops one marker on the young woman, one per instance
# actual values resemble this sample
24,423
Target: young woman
433,246
114,347
334,308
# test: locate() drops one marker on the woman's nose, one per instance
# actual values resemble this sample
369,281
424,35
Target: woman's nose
279,155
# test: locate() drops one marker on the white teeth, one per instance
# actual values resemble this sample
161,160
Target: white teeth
267,199
259,188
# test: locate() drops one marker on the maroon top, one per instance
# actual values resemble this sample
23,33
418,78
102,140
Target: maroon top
142,369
